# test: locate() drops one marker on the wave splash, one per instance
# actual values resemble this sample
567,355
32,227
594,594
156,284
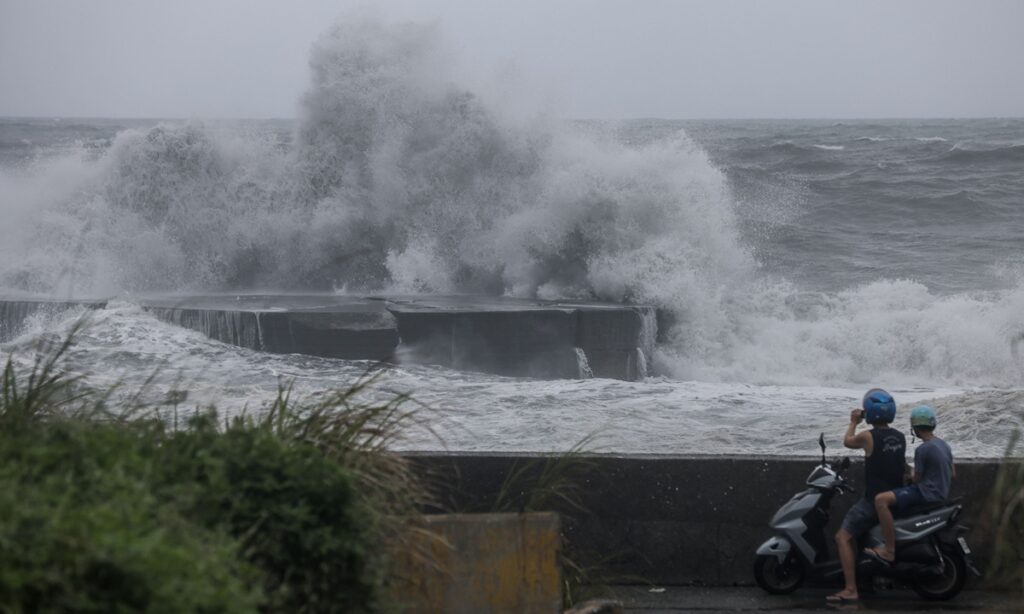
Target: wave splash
399,179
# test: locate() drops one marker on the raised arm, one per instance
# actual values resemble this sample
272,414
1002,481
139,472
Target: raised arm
854,440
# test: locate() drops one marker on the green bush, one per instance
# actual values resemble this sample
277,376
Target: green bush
109,508
294,511
81,530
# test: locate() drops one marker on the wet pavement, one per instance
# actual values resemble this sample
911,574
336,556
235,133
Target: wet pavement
651,600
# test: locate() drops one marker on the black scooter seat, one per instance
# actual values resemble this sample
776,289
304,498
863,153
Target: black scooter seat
924,508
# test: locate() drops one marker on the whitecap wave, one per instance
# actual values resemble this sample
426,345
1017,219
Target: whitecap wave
401,179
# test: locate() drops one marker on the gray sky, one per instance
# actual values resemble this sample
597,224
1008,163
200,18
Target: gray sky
603,59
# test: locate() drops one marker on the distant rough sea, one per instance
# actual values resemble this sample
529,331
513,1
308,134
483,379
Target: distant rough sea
802,262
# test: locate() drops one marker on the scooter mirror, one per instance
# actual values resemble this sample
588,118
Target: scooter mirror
821,442
845,463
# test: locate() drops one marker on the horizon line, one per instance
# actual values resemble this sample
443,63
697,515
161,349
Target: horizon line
635,118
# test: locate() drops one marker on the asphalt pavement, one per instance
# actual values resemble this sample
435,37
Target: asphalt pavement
651,600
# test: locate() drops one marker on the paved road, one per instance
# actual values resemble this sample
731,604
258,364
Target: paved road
644,600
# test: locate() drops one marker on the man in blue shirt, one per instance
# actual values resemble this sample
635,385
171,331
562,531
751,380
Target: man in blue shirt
933,471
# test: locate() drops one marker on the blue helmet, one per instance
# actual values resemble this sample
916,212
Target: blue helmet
879,406
923,416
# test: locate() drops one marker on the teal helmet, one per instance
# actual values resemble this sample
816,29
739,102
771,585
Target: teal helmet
922,416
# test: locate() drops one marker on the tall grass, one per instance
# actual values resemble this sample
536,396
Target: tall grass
1005,522
110,505
559,482
545,483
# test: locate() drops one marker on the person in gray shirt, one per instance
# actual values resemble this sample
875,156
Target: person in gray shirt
933,472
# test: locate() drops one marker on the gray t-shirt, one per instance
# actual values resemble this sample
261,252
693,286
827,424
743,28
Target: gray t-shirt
933,462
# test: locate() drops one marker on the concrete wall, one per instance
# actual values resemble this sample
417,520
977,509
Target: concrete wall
526,338
15,312
678,520
515,337
355,335
529,343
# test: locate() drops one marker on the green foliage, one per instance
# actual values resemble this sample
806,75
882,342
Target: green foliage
81,530
108,507
294,511
47,390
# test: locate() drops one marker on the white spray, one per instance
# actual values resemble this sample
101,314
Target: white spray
400,179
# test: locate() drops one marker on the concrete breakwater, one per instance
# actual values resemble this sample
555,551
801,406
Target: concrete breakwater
677,519
516,337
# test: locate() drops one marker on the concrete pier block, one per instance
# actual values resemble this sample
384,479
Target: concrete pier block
505,336
482,563
524,342
15,312
328,326
364,335
618,341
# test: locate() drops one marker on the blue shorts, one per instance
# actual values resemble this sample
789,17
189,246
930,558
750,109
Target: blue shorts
907,497
860,518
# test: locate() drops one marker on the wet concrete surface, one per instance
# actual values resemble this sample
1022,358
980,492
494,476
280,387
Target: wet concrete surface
652,600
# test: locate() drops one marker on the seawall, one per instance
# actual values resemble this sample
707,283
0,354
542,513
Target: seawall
505,336
677,519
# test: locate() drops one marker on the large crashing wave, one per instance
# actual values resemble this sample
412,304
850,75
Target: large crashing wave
423,187
399,179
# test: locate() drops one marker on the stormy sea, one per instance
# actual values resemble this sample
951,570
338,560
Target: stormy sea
800,262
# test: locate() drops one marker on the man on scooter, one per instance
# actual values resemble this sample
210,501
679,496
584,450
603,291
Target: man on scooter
885,451
933,471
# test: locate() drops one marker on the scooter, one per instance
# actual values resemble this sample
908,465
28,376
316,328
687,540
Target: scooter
932,554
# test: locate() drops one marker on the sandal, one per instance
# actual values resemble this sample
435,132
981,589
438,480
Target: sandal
877,556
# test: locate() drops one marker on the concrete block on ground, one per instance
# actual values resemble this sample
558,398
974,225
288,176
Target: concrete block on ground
478,563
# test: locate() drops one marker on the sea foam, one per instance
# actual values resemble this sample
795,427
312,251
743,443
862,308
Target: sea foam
400,178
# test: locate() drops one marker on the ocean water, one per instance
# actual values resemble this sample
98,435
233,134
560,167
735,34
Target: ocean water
802,262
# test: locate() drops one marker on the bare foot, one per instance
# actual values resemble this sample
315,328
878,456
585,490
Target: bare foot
843,595
881,554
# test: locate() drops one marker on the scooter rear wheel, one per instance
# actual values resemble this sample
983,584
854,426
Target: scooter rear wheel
778,578
947,585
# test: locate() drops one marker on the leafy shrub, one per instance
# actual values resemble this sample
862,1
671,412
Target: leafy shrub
109,508
295,512
80,530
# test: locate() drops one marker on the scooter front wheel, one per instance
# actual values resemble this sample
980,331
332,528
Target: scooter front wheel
778,577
